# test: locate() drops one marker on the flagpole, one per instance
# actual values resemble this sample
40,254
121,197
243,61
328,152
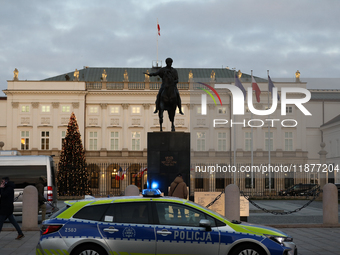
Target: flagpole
234,134
157,41
269,141
251,143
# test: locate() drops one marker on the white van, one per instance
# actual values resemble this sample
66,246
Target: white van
26,170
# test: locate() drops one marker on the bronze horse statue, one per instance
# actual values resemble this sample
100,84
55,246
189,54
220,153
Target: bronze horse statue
168,96
168,100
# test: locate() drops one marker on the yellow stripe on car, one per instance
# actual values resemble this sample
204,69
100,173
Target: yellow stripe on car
73,209
99,202
47,252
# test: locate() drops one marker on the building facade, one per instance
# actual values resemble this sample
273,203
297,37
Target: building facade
114,109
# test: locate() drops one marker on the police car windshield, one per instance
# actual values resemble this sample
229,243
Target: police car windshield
206,209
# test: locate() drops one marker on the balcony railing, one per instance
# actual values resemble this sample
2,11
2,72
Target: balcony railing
155,85
93,85
130,85
139,85
115,85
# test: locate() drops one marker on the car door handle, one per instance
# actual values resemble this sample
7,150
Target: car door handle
164,232
110,230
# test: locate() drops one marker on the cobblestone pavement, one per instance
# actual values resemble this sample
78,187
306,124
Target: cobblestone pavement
315,241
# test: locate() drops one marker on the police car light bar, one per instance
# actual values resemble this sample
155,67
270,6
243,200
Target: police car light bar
151,193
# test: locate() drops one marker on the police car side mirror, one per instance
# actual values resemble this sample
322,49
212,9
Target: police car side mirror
206,224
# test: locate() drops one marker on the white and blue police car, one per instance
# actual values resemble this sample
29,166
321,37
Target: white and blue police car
152,224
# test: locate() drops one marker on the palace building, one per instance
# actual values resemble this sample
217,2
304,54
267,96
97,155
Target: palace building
114,109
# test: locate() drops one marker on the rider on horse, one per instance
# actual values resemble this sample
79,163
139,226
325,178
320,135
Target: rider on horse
168,70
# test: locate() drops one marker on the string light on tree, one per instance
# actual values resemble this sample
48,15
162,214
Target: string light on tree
73,177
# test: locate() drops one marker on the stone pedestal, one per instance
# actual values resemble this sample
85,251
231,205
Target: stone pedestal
131,190
30,209
232,202
168,155
330,204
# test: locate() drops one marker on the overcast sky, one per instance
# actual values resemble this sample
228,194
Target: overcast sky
47,38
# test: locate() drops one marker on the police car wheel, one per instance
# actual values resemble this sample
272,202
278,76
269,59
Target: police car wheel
247,249
89,249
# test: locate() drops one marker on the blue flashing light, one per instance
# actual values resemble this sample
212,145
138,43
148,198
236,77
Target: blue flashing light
154,185
151,193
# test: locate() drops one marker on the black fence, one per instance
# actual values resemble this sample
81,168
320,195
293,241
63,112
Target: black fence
111,179
262,181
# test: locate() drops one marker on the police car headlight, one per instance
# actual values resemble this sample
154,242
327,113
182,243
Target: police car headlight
280,239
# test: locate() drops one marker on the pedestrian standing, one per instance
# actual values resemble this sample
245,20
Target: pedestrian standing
41,199
178,188
6,205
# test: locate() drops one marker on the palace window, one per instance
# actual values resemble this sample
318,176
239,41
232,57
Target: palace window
288,141
45,140
135,141
269,140
266,181
135,110
247,141
25,140
93,140
63,135
222,141
114,141
200,141
45,108
25,108
289,109
247,181
65,108
114,110
222,110
93,109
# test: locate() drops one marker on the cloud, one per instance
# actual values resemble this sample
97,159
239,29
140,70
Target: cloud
50,38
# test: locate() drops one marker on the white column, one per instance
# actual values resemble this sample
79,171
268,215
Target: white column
212,138
35,138
15,141
146,125
125,126
103,126
55,141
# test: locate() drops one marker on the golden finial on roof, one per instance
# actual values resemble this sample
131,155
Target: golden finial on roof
76,75
16,75
126,76
147,77
212,75
104,75
297,76
191,75
239,74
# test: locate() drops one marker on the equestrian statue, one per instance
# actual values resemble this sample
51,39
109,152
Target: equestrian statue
168,97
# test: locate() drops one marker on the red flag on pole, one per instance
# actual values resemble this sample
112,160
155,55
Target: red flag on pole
256,88
159,29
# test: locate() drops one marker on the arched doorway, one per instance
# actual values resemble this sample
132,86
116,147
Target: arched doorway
114,178
94,178
136,177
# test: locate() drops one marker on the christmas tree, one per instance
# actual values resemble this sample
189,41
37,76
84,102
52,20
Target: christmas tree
73,177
